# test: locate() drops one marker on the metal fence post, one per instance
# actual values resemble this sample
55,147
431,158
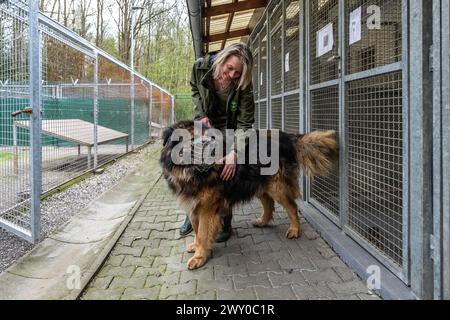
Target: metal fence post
35,132
96,111
150,110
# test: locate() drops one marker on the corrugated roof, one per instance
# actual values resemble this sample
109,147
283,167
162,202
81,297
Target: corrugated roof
228,21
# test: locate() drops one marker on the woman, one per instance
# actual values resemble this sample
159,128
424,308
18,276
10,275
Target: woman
223,97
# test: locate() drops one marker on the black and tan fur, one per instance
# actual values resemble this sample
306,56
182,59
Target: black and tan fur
206,198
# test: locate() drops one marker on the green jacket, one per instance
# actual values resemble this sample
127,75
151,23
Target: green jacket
240,107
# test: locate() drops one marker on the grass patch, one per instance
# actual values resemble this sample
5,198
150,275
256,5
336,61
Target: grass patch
6,156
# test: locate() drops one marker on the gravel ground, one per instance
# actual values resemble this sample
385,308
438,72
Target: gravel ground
59,208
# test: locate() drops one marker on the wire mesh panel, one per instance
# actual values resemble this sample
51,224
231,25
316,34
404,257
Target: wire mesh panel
263,65
276,63
15,184
68,97
381,34
166,110
114,106
263,115
325,116
292,114
156,111
324,40
291,46
375,128
276,116
141,112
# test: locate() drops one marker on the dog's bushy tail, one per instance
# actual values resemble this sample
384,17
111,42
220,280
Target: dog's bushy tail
317,152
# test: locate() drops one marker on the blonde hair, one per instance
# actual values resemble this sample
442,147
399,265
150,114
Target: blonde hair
243,53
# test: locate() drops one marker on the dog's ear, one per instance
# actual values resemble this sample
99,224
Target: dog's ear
166,135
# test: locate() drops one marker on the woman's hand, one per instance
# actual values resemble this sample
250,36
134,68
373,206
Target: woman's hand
206,122
229,170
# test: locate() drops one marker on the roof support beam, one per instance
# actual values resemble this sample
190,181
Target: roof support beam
233,7
227,35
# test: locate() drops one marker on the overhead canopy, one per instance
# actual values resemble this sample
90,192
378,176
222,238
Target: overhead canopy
223,22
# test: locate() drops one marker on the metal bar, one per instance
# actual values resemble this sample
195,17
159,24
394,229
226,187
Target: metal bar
302,82
373,72
15,150
283,50
323,85
35,132
343,132
420,15
96,111
445,27
307,109
406,142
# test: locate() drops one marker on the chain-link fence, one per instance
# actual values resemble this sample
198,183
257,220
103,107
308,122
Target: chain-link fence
86,113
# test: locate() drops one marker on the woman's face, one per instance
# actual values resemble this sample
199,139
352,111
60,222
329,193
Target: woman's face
232,69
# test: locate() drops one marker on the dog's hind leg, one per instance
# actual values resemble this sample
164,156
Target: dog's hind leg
292,211
194,221
267,215
208,226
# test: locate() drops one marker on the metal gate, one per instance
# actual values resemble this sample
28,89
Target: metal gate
355,87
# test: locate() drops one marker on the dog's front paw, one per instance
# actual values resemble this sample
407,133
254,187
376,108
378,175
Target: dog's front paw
190,248
196,262
293,233
259,223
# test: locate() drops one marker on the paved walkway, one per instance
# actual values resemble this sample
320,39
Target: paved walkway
149,261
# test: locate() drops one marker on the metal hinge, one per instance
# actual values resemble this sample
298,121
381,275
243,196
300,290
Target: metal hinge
431,58
432,246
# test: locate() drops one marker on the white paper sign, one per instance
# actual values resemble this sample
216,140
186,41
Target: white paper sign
286,63
325,40
355,26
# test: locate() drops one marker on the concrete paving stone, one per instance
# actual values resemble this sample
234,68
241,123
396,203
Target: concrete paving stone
222,271
143,234
171,242
350,297
166,218
145,262
239,259
296,264
225,283
326,252
144,272
97,294
277,245
188,288
134,225
261,248
238,295
310,234
245,232
255,268
287,278
275,256
348,288
163,278
172,226
114,261
218,260
141,294
229,249
167,260
124,272
345,273
134,282
138,217
281,293
251,281
176,267
317,292
155,234
152,226
126,241
204,274
244,241
325,275
156,252
322,263
210,295
101,282
241,225
127,251
270,238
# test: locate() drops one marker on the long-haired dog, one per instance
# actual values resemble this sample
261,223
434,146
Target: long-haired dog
206,198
